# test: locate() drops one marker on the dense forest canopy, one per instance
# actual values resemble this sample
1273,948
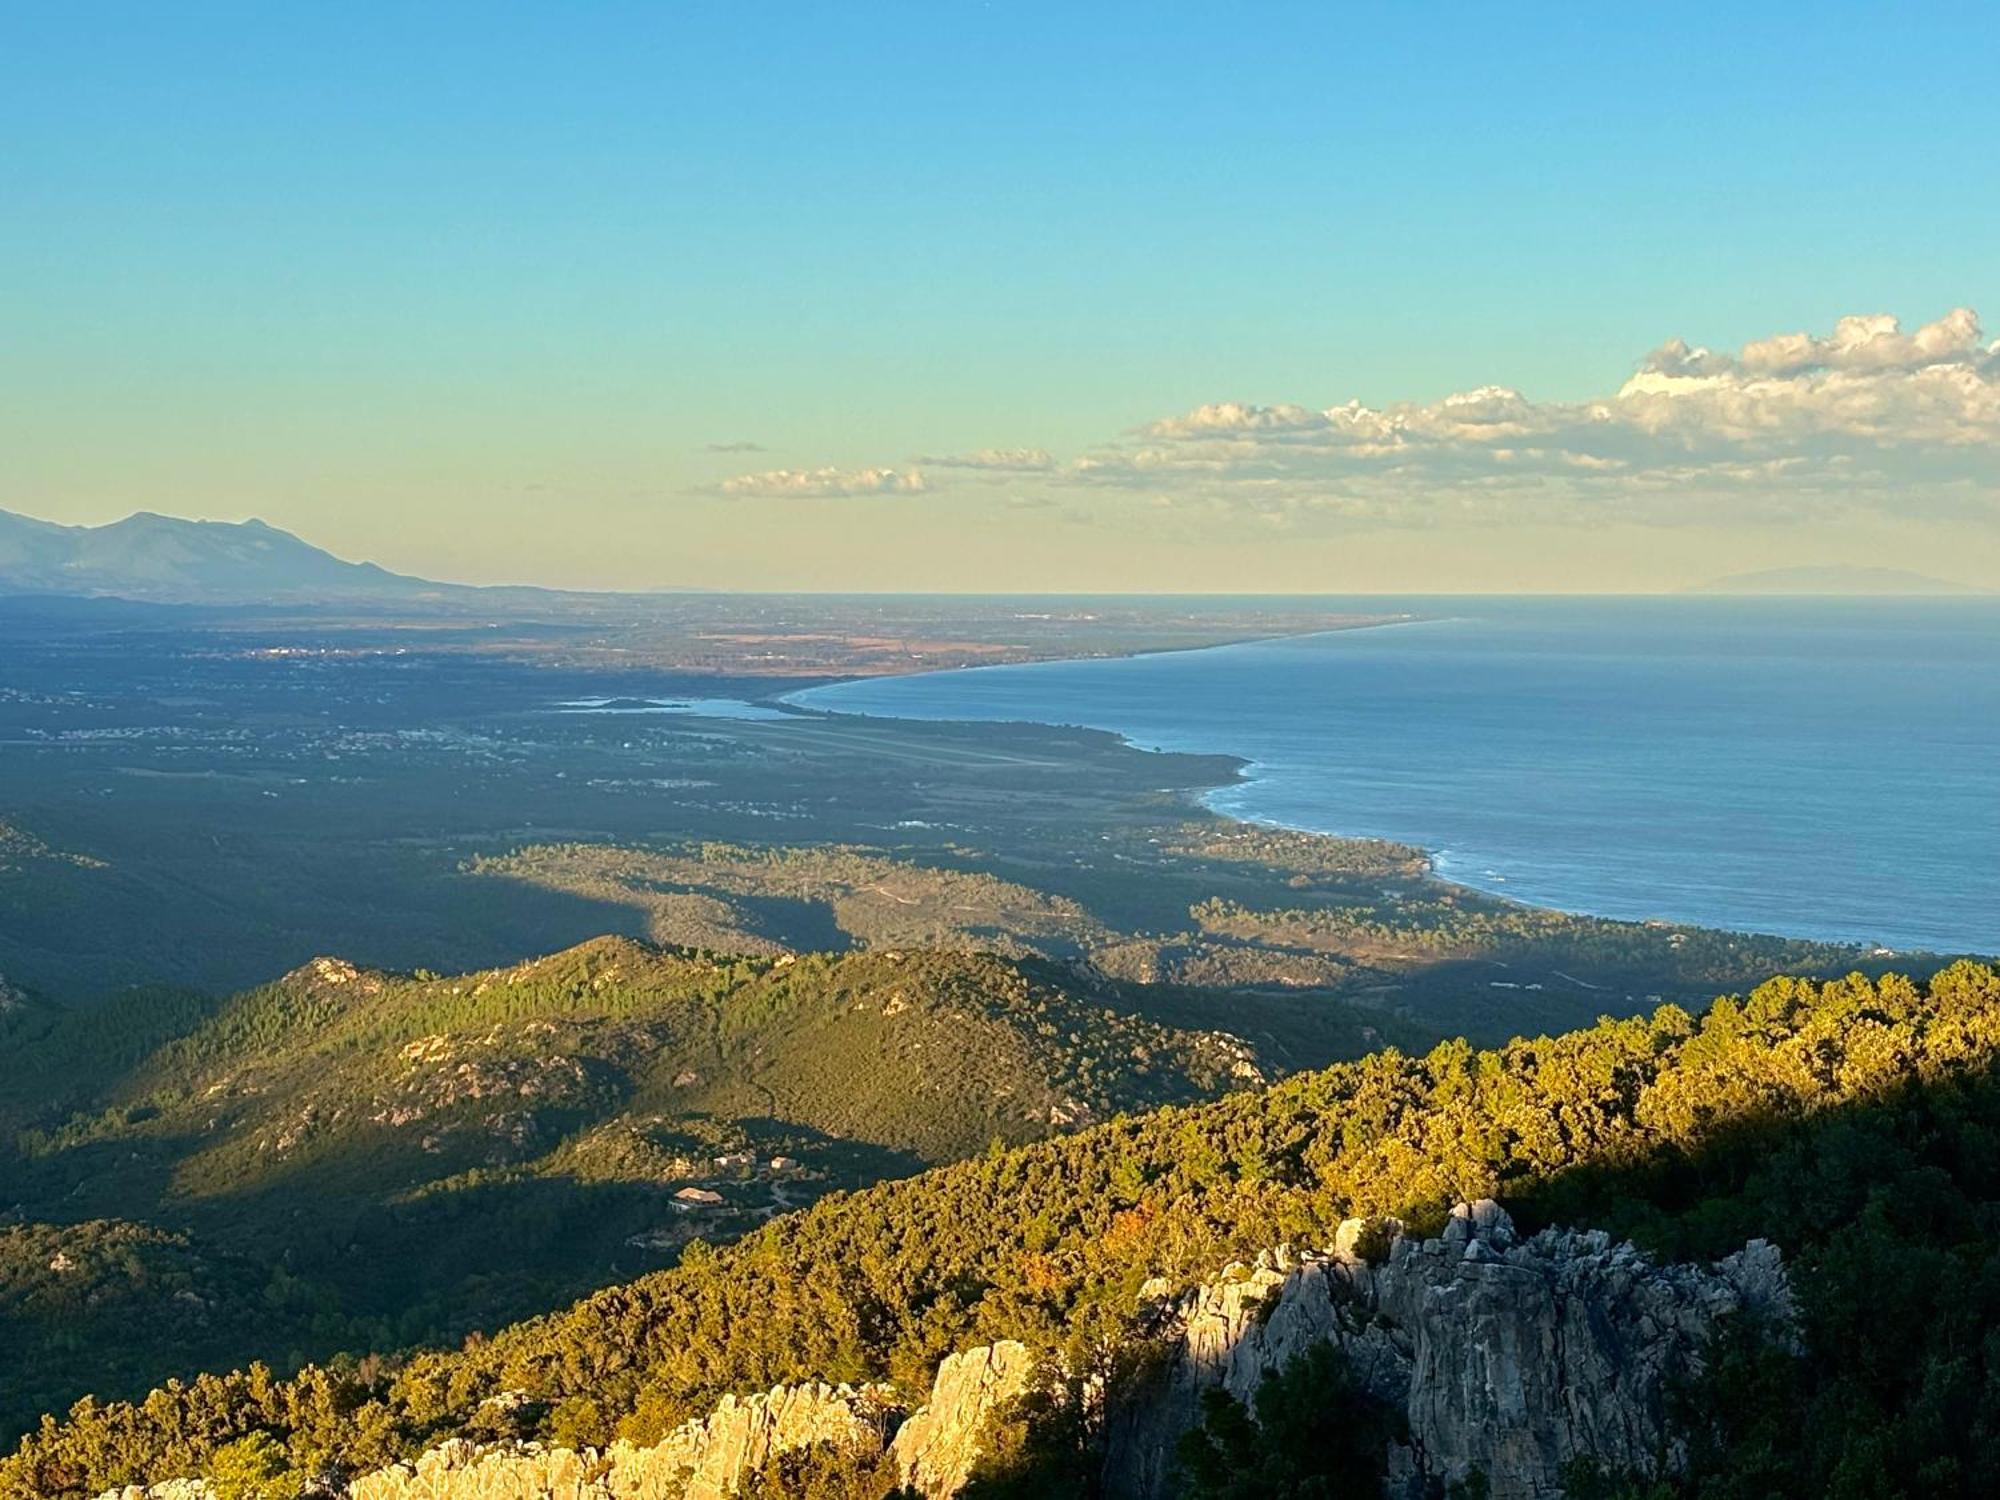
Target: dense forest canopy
1853,1121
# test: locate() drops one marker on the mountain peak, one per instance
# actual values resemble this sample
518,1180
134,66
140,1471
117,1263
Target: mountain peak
173,560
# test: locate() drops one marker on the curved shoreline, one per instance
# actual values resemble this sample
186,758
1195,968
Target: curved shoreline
1625,898
784,699
1435,858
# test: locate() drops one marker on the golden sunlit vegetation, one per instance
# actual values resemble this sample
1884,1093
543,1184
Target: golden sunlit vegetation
1853,1122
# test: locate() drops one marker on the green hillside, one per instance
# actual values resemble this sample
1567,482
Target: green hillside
1854,1122
351,1160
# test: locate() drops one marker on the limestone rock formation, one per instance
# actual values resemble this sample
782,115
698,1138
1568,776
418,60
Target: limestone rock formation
706,1459
1509,1357
459,1470
739,1436
326,974
702,1460
937,1447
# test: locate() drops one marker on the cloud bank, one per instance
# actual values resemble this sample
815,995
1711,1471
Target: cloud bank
1797,426
1868,417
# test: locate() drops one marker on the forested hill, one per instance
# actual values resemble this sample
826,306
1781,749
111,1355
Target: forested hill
288,1076
348,1159
1853,1122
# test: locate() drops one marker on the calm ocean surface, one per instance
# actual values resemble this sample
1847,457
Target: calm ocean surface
1820,768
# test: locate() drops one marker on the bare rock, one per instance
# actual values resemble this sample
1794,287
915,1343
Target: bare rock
327,974
461,1470
937,1447
705,1459
713,1453
1508,1357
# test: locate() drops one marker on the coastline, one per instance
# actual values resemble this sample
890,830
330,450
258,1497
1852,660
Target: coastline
1196,799
1525,887
782,698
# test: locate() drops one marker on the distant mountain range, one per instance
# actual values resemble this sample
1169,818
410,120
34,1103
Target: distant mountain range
166,560
1833,579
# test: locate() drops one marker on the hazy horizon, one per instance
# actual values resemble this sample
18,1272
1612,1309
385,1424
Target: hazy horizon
1844,580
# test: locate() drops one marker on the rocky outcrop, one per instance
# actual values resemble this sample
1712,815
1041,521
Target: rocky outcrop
459,1470
937,1447
332,976
707,1458
1509,1357
739,1436
704,1459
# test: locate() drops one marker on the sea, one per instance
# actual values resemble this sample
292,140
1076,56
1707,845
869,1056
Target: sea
1817,768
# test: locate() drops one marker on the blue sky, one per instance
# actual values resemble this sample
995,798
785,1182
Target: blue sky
473,289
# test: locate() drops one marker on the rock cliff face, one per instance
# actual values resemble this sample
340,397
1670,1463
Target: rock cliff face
1509,1357
937,1447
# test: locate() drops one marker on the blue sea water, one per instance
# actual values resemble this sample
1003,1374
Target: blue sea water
1819,768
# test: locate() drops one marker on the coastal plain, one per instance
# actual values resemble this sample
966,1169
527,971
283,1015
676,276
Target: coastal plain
211,798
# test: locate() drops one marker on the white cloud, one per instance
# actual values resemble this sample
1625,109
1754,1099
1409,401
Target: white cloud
1794,427
998,460
1866,417
779,484
1229,417
1868,342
